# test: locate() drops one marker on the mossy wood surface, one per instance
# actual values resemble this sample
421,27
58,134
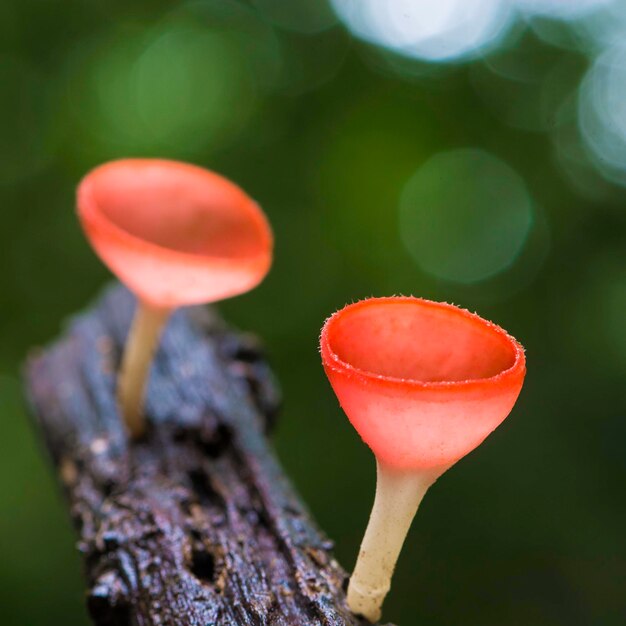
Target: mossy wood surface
196,524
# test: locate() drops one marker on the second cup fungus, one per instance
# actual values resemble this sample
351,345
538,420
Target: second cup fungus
423,383
175,234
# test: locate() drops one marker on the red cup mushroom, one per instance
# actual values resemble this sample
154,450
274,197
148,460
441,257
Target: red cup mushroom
175,234
423,383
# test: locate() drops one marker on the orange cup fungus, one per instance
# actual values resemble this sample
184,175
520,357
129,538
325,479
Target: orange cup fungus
175,234
423,383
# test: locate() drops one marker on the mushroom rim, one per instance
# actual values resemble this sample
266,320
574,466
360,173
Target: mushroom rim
332,361
89,212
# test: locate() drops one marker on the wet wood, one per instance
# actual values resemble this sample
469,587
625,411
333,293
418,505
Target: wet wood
196,524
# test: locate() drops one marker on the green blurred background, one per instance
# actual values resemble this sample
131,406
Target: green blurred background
394,152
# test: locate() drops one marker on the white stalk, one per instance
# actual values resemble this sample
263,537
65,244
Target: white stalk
140,347
398,495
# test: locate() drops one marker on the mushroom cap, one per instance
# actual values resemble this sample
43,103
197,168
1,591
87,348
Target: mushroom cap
175,234
422,382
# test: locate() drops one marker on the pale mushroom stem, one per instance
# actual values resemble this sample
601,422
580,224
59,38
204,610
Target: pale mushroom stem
398,495
140,346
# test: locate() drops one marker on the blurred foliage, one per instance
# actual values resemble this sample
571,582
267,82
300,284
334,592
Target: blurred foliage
346,147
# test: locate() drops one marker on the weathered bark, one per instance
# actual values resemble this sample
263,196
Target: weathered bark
196,524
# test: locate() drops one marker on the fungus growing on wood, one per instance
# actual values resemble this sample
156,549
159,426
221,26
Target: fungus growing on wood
423,383
175,234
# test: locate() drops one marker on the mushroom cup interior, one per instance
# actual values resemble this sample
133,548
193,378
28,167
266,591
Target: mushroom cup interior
421,341
179,207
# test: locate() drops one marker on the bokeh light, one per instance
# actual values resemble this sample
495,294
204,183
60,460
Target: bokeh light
562,9
526,85
465,215
179,84
433,31
605,27
602,111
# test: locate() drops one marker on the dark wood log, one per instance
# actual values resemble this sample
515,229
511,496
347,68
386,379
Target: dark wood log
196,524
